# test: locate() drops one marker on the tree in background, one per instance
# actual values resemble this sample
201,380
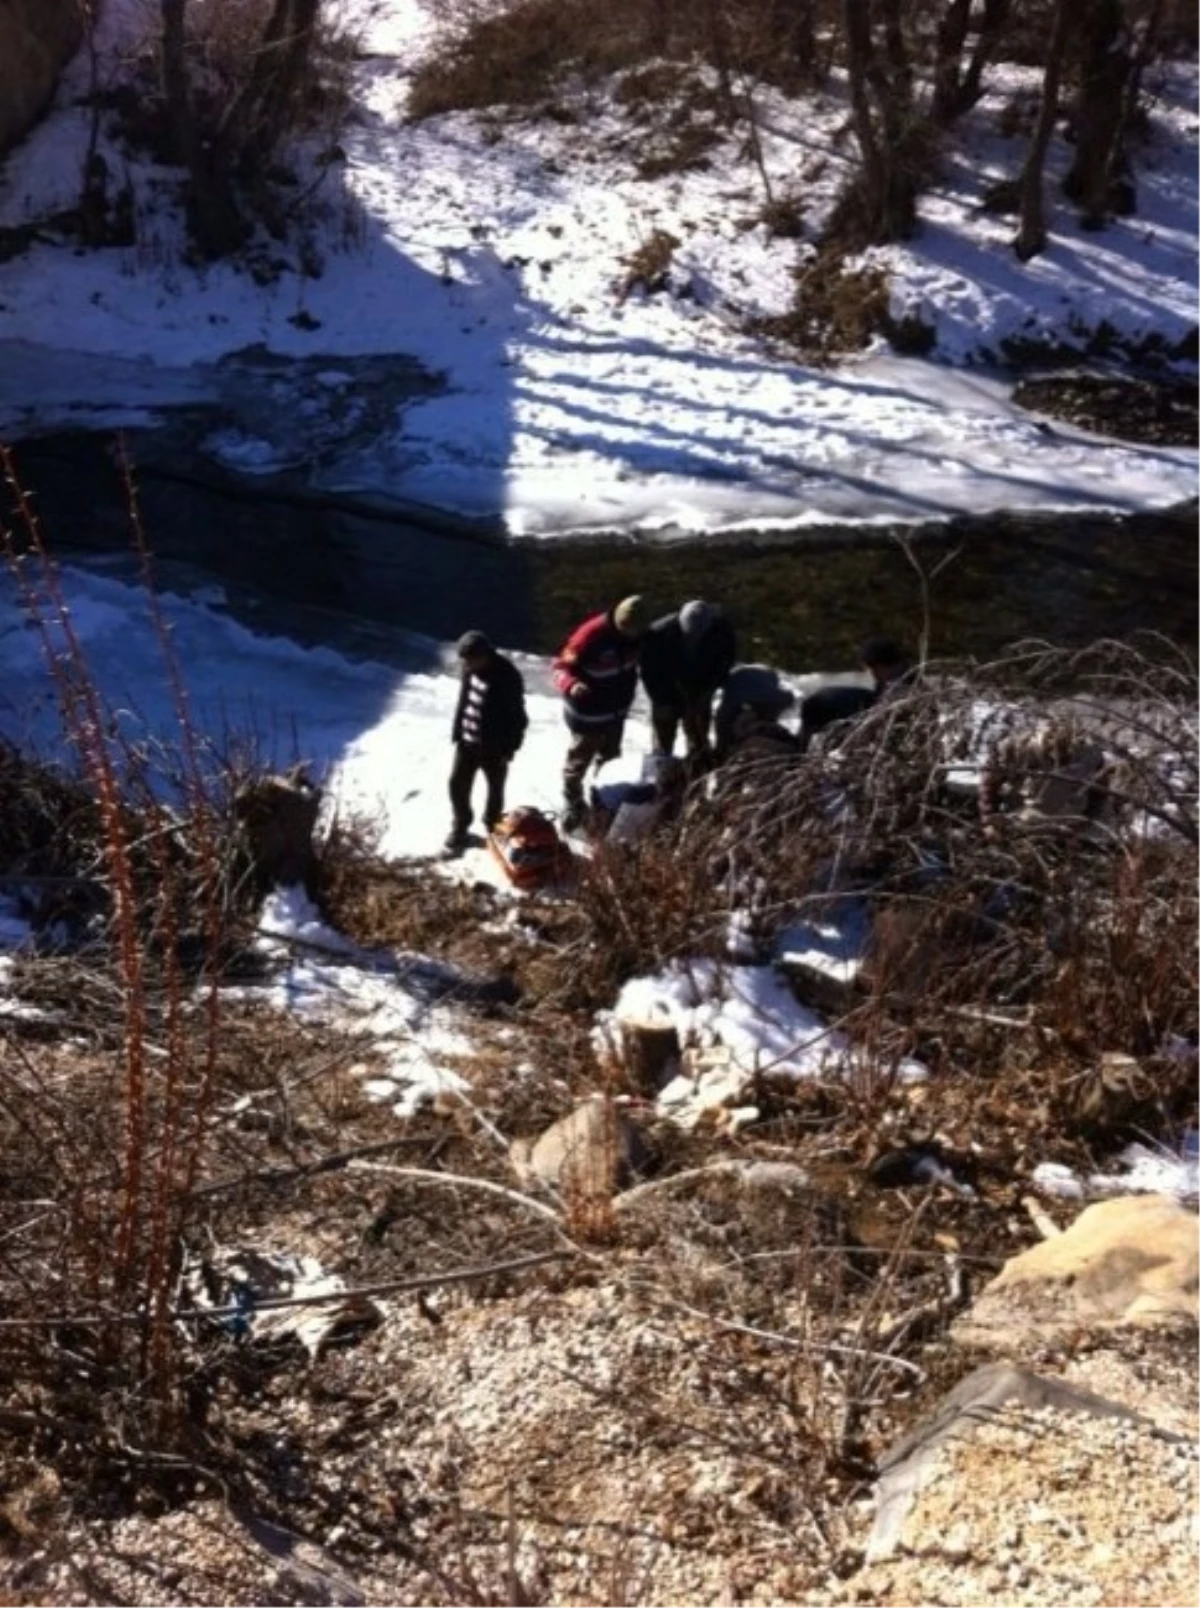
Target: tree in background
958,87
881,202
225,134
1109,53
1031,233
1113,55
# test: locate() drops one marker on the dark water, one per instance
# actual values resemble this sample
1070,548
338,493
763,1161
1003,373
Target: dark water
803,602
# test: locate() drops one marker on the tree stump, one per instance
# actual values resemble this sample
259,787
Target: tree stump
648,1051
278,815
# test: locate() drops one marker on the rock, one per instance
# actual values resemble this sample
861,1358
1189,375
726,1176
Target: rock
595,1151
1131,1261
1025,1490
36,38
978,1399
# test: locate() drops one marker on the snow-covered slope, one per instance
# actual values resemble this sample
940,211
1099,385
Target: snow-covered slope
496,252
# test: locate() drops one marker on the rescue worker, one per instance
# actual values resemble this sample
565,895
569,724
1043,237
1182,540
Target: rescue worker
686,659
752,698
596,673
888,665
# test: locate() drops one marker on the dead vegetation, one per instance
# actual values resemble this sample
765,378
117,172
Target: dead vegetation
839,308
664,1370
524,54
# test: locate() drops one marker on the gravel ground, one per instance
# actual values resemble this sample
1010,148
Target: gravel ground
1052,1507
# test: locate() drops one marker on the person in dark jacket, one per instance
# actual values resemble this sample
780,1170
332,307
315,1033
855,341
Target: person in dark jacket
489,728
596,672
888,665
686,659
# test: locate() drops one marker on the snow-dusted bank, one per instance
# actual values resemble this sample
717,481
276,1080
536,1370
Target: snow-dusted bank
378,736
563,403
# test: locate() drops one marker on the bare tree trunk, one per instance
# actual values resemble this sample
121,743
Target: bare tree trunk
717,25
987,43
1120,187
900,73
216,224
1031,235
955,92
859,53
282,58
181,126
947,65
792,34
885,122
1106,67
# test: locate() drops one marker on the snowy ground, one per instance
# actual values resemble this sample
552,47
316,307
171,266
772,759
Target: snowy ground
494,253
379,737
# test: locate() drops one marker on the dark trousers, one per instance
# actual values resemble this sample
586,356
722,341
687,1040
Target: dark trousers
696,715
468,762
599,743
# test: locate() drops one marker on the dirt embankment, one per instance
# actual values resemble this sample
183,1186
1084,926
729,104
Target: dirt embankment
36,38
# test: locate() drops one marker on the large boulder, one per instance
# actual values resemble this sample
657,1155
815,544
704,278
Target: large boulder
1026,1490
988,1395
591,1153
1129,1262
37,37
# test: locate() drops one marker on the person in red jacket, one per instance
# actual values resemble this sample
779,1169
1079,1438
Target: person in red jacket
596,672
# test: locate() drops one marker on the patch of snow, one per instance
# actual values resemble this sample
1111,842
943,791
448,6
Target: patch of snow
288,912
567,403
365,993
833,943
251,454
753,1022
1148,1170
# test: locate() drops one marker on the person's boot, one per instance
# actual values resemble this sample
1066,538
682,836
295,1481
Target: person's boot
455,843
573,815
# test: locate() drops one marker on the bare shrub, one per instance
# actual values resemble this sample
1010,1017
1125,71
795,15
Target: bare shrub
1060,892
522,54
103,1143
1023,837
836,309
649,267
639,906
223,91
784,216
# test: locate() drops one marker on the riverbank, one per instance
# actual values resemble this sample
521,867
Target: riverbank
804,601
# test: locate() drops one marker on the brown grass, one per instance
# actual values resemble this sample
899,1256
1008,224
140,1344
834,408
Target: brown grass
524,55
838,308
519,56
648,268
780,1325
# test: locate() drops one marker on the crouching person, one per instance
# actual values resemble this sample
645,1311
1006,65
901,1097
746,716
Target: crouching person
596,672
489,728
891,671
686,659
753,701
